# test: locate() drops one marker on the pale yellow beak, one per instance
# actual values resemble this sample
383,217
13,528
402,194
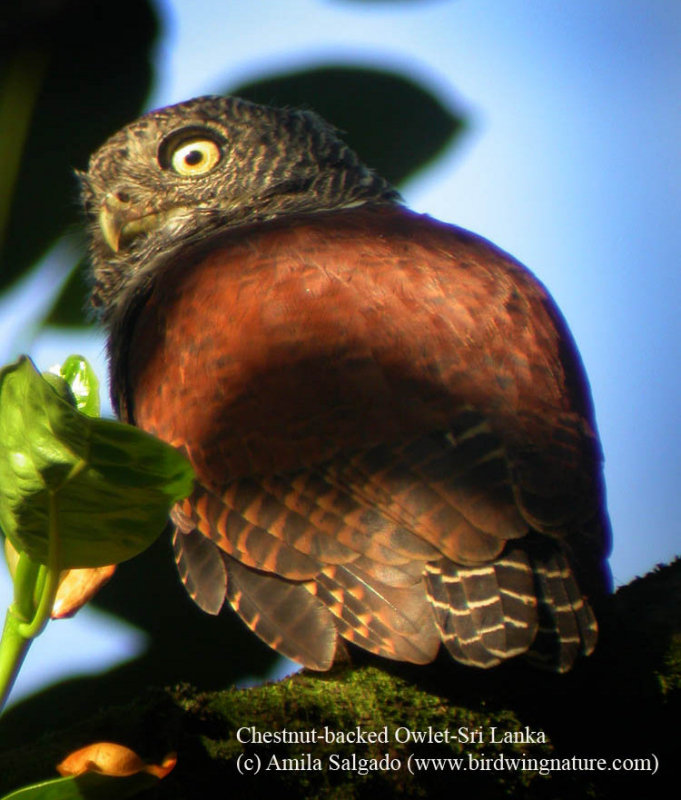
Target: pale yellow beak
113,217
119,224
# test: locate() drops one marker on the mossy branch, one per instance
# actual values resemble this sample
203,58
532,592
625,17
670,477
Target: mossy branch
622,703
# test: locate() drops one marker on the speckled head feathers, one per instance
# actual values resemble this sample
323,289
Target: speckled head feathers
179,173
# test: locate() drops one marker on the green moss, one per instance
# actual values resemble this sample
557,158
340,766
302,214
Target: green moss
370,726
670,676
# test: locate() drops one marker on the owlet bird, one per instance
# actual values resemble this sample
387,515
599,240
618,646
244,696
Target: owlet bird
390,424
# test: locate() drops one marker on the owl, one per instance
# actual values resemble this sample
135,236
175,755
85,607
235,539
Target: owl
390,425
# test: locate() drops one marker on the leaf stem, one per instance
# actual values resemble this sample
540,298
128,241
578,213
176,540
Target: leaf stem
35,588
47,579
25,582
13,648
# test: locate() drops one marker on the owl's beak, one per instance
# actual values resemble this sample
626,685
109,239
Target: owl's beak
111,228
119,223
114,215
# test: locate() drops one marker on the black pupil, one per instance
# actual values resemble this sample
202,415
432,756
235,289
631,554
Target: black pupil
193,158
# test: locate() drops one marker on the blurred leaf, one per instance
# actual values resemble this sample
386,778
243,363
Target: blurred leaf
71,72
395,124
106,486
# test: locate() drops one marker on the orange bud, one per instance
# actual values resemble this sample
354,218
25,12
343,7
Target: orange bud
109,758
77,587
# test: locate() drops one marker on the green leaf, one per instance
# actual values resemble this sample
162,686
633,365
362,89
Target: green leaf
103,486
61,387
80,376
90,786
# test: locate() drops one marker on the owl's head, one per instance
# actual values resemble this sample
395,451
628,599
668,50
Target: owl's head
177,174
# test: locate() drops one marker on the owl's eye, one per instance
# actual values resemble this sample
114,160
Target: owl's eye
191,151
195,157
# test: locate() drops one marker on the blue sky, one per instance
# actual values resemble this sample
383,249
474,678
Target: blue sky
571,164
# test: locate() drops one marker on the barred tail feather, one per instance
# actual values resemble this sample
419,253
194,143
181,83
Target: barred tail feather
568,626
487,613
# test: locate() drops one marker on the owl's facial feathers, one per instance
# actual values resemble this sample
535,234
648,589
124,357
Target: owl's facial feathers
179,173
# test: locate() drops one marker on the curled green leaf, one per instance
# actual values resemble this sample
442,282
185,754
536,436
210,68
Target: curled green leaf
84,384
103,487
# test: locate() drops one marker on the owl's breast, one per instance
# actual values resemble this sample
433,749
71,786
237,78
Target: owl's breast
272,347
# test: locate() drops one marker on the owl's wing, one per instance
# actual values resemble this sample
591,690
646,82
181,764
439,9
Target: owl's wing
395,549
